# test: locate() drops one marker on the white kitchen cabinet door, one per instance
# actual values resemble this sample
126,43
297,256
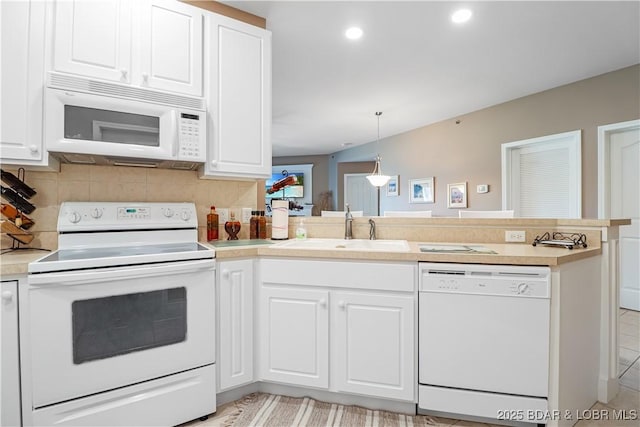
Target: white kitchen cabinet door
22,80
235,333
238,99
294,336
373,344
93,38
171,47
10,415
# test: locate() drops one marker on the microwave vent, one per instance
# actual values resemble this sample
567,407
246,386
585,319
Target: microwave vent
184,166
80,159
97,87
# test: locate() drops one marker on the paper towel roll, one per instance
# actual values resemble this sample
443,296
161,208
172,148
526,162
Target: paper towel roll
279,219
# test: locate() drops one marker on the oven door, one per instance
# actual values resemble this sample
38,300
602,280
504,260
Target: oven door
101,329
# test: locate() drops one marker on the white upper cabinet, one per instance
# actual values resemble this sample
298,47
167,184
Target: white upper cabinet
152,43
238,96
93,38
22,29
171,47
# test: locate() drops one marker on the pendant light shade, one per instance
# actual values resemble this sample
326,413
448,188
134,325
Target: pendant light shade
377,179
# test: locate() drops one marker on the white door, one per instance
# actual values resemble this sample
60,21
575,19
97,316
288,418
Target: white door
10,369
238,99
624,155
294,336
360,194
93,38
235,311
171,49
373,344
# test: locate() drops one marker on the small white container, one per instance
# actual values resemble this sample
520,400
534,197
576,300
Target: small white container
280,219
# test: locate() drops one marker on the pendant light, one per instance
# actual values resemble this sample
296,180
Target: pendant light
377,179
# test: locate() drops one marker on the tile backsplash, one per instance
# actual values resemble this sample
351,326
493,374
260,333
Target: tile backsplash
86,183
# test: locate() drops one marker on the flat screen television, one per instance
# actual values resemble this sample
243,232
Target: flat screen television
290,191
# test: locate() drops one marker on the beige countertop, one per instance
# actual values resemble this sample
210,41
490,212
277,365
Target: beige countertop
15,263
514,253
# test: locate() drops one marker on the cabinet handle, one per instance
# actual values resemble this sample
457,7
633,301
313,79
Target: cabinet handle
145,78
214,163
7,296
322,302
341,304
124,73
226,274
33,149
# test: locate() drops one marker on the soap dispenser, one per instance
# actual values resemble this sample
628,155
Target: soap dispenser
301,232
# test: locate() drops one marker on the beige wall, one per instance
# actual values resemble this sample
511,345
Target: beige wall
470,151
129,184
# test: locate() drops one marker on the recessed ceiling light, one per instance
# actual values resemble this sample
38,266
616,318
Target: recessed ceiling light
353,33
461,15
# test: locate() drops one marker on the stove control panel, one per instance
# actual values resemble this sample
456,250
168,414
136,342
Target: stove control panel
133,213
105,216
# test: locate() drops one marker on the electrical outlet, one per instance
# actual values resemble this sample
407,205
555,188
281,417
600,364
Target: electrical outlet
223,215
514,236
246,215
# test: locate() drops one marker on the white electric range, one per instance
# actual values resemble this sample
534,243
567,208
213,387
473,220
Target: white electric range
119,322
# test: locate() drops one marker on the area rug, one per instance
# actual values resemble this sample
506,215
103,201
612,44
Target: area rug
269,410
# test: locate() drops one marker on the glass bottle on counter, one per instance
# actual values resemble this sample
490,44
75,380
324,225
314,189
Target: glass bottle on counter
212,225
232,227
253,225
262,226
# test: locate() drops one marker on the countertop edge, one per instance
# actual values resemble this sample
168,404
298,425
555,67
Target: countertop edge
14,264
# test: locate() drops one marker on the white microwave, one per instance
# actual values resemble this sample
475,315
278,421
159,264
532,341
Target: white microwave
95,122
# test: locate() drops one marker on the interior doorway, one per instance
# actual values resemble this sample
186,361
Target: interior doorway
619,197
360,194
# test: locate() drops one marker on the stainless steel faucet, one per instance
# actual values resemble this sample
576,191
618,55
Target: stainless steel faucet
372,229
348,224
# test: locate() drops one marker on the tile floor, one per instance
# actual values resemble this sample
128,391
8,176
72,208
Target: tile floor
628,398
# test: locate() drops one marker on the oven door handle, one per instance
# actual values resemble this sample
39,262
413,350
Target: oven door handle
112,273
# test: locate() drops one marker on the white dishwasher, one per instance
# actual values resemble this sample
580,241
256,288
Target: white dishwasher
484,340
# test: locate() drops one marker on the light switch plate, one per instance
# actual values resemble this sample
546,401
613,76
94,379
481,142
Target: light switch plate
223,215
482,188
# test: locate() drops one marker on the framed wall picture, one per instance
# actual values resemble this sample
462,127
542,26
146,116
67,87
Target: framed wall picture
392,186
457,195
421,190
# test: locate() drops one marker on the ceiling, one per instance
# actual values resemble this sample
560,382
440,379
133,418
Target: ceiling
418,67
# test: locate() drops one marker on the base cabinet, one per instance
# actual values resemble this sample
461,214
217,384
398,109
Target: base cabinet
10,374
315,334
294,333
235,320
372,342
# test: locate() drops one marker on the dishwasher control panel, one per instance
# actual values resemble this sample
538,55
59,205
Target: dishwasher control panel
530,282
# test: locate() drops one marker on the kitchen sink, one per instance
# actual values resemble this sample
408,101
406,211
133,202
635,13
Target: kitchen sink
341,244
